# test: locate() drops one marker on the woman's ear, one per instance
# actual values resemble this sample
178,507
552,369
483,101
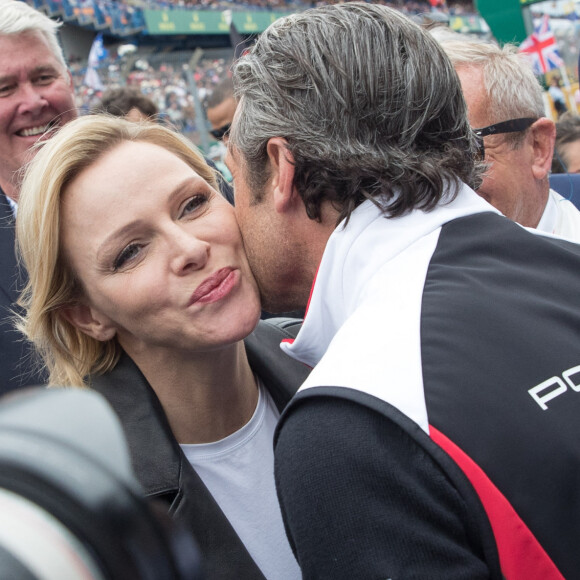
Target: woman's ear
88,321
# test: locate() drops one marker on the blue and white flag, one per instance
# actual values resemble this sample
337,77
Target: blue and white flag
96,55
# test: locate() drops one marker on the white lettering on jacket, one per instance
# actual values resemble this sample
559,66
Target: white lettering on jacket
555,386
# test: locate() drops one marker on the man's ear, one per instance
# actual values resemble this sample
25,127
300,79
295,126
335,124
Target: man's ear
88,321
544,137
282,174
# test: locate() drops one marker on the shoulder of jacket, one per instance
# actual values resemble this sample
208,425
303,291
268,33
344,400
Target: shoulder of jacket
286,326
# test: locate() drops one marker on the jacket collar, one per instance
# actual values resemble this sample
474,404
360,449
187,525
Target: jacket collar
9,279
163,469
145,423
379,240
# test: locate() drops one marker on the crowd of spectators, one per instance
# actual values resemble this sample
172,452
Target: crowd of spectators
127,17
410,7
162,78
119,17
165,79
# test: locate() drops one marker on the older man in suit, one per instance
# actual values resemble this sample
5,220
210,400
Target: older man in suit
36,98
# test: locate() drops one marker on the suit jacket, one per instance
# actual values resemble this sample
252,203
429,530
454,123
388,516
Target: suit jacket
160,465
17,368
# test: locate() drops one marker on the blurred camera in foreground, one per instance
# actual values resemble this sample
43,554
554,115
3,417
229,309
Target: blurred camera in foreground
71,506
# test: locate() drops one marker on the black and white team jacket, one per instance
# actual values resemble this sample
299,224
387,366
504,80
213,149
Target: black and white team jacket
438,436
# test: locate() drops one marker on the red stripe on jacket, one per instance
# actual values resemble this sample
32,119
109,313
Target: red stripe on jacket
520,554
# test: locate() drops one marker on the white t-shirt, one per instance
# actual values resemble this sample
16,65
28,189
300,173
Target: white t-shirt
13,205
239,473
560,217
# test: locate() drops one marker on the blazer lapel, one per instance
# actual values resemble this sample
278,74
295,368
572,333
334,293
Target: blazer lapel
281,374
10,284
165,473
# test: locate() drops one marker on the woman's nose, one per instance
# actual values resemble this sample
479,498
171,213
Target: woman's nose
188,252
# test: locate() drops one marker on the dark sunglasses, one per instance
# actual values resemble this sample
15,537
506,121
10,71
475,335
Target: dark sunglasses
511,126
221,132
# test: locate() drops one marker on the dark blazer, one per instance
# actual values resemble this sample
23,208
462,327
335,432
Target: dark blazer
16,355
160,465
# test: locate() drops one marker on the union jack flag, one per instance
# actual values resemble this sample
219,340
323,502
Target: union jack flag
541,48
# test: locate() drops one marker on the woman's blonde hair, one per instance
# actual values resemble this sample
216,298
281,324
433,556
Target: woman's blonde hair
69,354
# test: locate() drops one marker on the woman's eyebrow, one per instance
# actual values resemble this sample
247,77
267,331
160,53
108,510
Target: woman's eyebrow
184,186
109,242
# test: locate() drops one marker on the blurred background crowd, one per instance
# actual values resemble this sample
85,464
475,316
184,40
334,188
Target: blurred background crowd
179,72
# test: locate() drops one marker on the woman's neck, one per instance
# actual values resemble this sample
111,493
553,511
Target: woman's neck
206,396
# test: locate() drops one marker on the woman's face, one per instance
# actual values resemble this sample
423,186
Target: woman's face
158,253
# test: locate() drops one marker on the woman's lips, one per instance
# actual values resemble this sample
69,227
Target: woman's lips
215,287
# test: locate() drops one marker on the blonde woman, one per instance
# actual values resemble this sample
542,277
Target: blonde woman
139,287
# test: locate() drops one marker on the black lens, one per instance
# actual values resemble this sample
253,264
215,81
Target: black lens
220,133
64,463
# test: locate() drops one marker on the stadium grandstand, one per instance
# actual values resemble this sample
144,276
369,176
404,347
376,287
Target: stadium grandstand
176,51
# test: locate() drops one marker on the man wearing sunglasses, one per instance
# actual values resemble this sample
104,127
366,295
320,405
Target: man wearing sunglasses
220,109
506,110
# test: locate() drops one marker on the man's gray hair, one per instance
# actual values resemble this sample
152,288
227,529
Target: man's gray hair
17,17
368,103
511,88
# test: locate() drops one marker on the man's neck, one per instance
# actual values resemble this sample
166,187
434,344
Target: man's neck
538,206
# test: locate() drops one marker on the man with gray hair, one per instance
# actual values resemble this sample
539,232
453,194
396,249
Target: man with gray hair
506,108
36,98
437,434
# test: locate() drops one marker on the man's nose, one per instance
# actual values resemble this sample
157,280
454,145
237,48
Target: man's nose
32,99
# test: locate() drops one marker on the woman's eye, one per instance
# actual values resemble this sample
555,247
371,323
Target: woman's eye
194,203
127,254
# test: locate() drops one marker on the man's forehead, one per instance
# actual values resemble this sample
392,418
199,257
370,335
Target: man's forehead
223,113
35,70
475,95
38,56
